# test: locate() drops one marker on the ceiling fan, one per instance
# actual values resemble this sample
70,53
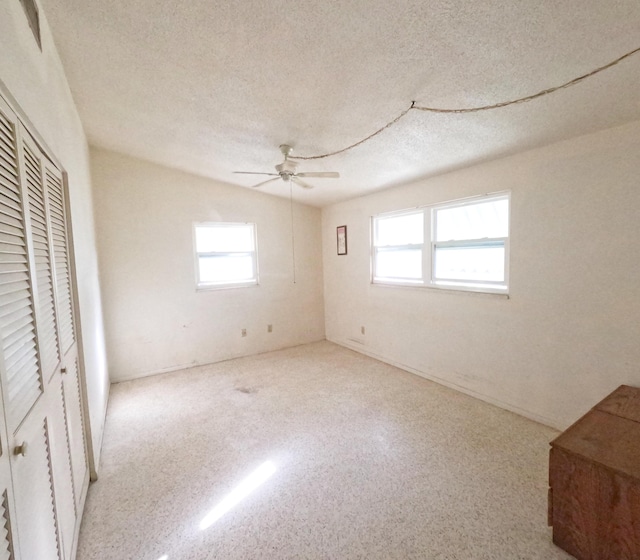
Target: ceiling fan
287,171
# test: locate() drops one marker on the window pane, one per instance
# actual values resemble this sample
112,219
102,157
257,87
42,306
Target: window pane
400,230
228,268
469,263
224,238
399,264
473,221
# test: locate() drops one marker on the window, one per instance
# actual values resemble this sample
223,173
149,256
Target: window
226,255
399,247
461,245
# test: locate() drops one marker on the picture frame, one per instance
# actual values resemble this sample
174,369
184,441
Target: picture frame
341,238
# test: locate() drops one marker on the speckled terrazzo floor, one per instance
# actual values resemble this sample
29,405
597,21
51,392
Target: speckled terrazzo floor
364,461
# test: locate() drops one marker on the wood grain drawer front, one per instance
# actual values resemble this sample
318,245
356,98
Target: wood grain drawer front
596,511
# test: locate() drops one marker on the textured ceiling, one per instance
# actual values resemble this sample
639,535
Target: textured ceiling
213,87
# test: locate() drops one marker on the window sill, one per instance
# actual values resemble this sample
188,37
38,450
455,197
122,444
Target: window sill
502,294
214,287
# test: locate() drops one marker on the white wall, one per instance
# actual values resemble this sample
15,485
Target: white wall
155,319
36,80
570,331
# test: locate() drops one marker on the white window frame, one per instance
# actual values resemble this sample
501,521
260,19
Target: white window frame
429,246
412,246
203,285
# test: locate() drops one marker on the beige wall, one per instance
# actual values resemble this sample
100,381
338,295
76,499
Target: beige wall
155,319
36,80
570,331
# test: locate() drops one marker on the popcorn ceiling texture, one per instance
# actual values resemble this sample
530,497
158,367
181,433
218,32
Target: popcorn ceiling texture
213,87
370,462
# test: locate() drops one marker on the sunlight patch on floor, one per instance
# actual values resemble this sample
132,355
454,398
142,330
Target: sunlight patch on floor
239,493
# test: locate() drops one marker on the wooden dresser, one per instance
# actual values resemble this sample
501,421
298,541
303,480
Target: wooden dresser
594,479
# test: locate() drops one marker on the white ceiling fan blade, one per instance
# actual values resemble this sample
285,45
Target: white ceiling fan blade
265,182
255,173
297,181
320,174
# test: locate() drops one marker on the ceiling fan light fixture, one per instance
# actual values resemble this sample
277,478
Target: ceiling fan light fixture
287,171
287,166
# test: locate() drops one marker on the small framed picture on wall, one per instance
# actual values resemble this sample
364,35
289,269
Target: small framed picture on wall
341,233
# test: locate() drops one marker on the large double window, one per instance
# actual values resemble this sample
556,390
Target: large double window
226,255
460,244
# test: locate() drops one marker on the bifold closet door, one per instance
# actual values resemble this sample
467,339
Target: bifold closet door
23,383
67,342
39,366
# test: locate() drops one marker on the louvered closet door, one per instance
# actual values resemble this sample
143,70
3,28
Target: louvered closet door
67,343
22,382
36,171
47,237
39,361
16,322
68,440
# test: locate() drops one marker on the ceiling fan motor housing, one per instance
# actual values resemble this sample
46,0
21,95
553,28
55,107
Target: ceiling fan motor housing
286,169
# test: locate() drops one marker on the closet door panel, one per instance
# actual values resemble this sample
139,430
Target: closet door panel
22,375
34,169
66,327
47,238
75,428
34,491
29,429
64,493
59,239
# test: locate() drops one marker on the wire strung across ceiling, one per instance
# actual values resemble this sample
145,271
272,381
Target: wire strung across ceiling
413,105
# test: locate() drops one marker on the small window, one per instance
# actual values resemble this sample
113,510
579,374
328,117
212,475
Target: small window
226,255
466,247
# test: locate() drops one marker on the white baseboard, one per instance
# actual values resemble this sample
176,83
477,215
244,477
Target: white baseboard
554,423
190,365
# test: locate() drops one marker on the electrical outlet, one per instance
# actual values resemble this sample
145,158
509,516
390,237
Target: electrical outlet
244,332
269,328
361,330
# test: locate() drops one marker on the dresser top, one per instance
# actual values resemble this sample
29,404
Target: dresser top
623,402
609,433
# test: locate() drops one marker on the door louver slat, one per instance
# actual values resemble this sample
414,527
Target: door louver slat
15,311
18,379
20,355
5,160
19,331
16,232
9,201
16,331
